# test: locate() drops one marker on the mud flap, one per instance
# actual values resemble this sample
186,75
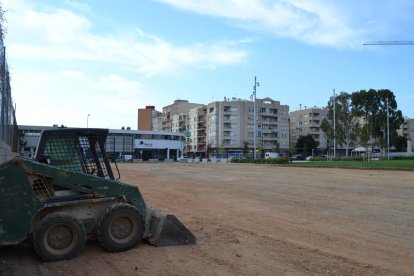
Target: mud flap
167,230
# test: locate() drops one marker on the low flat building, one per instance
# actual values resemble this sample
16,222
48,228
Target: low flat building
139,144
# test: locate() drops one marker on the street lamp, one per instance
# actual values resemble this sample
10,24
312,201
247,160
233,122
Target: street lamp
87,121
334,124
388,131
256,83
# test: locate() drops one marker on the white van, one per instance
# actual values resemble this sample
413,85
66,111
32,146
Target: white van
127,157
271,155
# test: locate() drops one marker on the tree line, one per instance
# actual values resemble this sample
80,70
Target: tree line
361,118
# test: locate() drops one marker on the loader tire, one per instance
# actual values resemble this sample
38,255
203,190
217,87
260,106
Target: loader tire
58,236
120,228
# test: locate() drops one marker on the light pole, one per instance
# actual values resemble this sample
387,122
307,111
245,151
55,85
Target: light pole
256,83
388,131
334,124
87,121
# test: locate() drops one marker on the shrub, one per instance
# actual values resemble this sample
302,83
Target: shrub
278,160
402,157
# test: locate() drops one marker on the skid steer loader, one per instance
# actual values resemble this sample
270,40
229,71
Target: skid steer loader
69,192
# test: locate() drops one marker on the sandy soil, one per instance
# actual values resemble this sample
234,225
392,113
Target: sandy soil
258,220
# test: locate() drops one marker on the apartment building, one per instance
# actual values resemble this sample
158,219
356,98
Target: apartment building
407,130
410,134
179,107
308,121
197,145
145,117
230,123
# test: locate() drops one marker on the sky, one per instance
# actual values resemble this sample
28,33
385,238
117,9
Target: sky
96,62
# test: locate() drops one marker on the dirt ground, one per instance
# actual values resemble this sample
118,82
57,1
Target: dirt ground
258,220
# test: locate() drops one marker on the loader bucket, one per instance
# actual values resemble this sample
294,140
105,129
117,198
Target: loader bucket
167,230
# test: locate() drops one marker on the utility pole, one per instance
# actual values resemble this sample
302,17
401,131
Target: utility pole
334,124
388,131
256,83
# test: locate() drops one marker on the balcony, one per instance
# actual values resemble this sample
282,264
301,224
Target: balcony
270,119
227,109
226,134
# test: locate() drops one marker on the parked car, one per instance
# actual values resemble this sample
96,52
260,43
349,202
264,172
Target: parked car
298,157
183,159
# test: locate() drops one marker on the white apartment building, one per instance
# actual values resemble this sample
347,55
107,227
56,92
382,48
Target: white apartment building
230,123
197,131
407,130
308,122
179,107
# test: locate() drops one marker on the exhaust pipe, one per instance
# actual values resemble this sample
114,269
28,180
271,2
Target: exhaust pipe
166,230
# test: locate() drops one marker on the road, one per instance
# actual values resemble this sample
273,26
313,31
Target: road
258,220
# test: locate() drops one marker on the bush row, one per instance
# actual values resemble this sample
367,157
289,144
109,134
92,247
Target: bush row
279,160
402,157
360,158
354,158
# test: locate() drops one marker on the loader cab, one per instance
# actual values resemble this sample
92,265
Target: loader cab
75,149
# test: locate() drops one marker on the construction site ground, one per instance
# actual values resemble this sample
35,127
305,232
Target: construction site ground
258,220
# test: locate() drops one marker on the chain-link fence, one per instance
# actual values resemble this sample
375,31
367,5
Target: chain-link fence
9,139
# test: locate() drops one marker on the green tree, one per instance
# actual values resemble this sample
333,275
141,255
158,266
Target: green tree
401,144
221,148
277,147
372,106
260,150
208,150
305,144
327,128
364,136
346,121
245,148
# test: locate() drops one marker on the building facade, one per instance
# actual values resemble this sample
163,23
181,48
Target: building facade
140,145
231,125
308,122
145,116
196,135
407,130
179,107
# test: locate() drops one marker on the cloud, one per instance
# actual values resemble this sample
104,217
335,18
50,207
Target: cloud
63,35
66,97
316,22
74,75
78,6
